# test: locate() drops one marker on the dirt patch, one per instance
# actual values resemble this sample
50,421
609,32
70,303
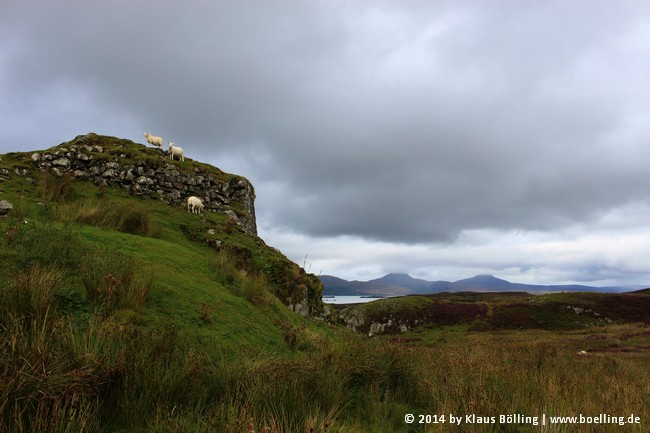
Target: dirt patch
617,348
595,337
638,334
402,340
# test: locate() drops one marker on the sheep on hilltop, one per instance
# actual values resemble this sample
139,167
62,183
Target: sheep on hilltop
152,139
176,151
194,205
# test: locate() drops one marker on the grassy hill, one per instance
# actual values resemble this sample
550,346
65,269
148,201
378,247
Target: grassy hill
121,312
104,288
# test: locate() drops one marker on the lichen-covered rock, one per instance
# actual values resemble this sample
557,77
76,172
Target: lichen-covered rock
301,307
353,318
5,207
61,162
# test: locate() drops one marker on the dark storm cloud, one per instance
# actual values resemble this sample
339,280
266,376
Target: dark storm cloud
399,121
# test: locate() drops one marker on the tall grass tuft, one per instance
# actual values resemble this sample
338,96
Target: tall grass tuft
123,216
225,267
56,188
43,388
32,292
255,289
113,280
251,284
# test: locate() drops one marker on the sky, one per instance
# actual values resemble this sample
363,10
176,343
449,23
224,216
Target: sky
443,139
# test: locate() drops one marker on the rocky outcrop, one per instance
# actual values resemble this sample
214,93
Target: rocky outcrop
398,315
89,157
358,320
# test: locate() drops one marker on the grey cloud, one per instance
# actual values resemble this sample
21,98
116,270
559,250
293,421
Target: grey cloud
407,122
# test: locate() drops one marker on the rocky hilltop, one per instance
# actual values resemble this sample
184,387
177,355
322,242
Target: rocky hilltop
148,171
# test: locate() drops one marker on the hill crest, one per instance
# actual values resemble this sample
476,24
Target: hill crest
145,171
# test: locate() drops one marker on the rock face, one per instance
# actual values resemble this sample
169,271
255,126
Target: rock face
154,176
358,321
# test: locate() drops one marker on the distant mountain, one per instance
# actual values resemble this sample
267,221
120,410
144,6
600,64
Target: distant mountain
399,284
481,283
338,286
415,285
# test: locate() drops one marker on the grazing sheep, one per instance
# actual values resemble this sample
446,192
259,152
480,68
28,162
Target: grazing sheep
176,151
194,205
152,139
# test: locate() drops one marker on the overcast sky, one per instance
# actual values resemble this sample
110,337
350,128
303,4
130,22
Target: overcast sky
439,138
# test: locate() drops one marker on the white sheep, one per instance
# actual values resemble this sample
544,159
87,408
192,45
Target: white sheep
194,205
152,139
176,151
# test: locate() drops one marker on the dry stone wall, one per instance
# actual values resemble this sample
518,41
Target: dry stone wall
154,176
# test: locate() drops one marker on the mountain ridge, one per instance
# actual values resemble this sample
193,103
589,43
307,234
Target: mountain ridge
400,284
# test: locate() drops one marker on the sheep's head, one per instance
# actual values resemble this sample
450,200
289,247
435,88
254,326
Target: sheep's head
171,145
145,134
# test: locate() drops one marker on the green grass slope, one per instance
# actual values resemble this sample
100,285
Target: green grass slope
194,285
129,270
